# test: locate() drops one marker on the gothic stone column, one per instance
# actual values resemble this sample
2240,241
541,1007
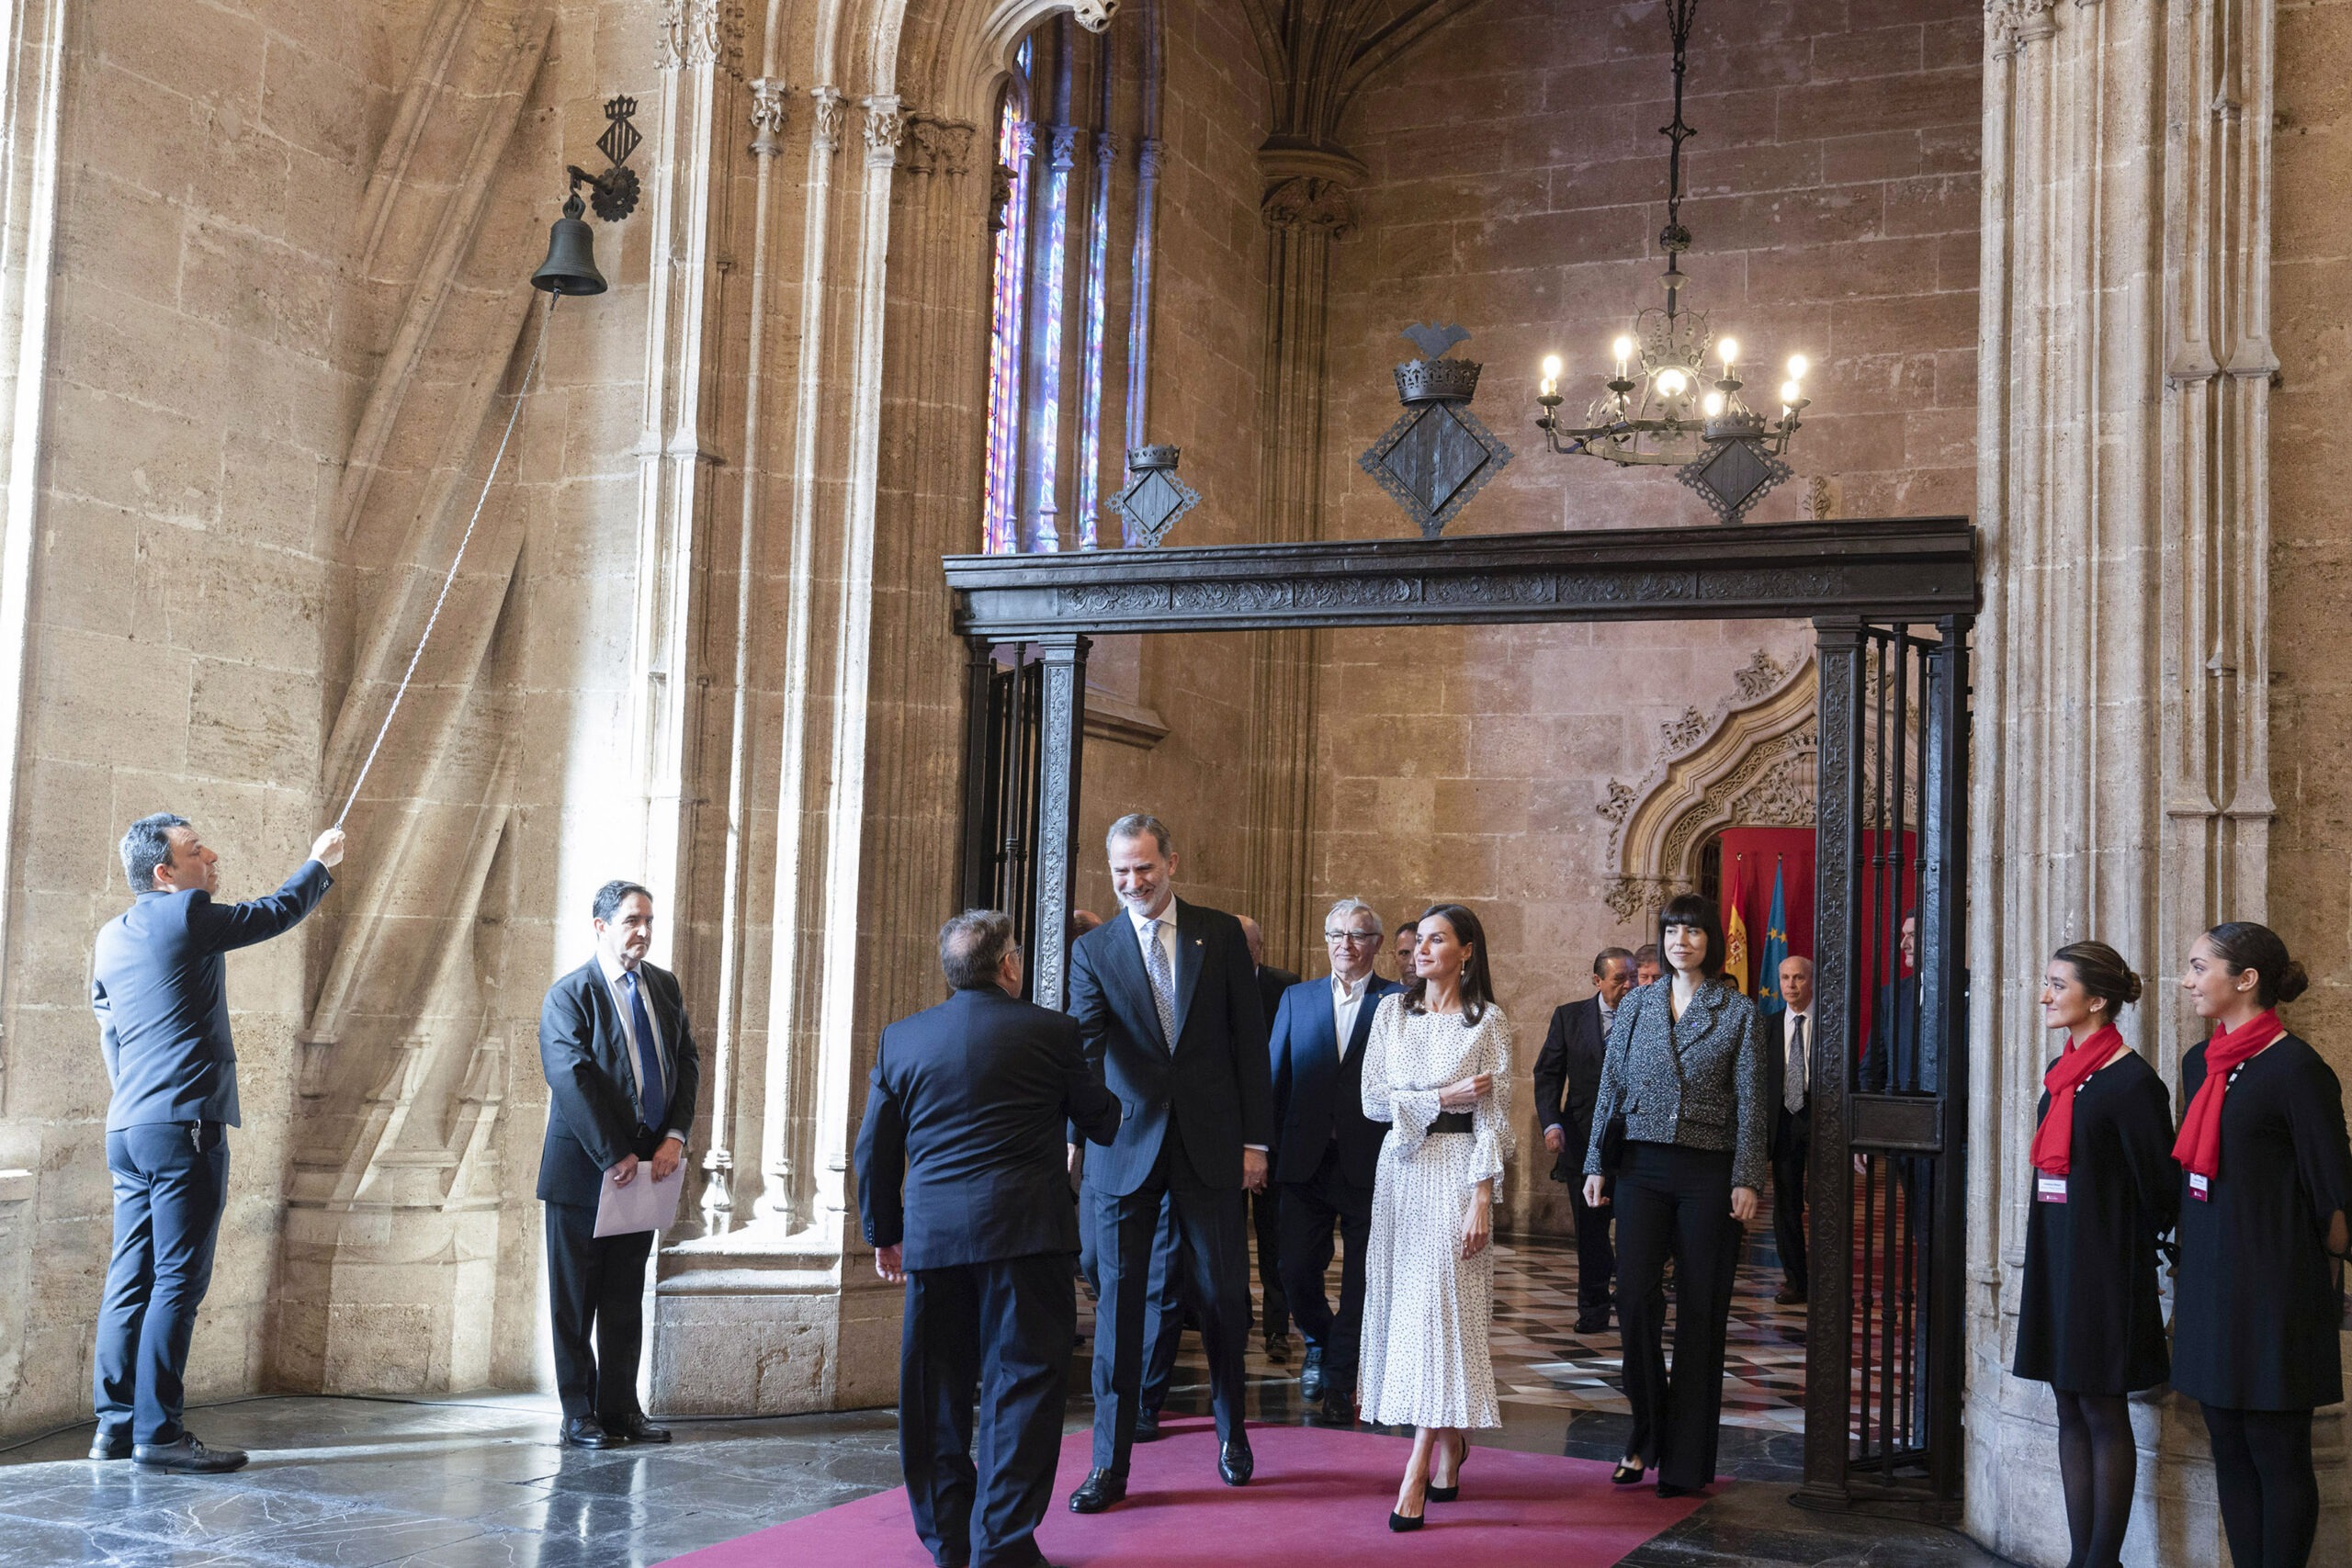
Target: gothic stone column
2122,743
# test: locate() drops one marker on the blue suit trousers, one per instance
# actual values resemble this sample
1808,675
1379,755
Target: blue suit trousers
171,1183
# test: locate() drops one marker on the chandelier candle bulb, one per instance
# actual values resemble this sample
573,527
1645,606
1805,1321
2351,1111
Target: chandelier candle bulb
1798,366
1729,349
1790,393
1714,404
1623,349
1552,368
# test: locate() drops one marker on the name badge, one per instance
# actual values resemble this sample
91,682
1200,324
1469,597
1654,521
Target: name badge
2197,1188
2050,1190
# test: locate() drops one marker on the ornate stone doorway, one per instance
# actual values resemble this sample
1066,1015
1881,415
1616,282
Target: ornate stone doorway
1892,603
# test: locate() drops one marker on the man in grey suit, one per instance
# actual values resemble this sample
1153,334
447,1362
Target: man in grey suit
622,1076
159,987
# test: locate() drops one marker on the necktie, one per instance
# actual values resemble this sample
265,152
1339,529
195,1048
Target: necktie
1163,982
1793,1092
651,1099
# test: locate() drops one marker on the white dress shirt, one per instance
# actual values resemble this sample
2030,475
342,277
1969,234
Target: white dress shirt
612,973
1346,1002
1790,1072
1142,924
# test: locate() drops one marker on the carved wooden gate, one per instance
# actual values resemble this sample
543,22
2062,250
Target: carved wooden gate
1891,601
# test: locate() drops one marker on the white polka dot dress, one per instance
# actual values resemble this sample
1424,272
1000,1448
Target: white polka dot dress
1427,1308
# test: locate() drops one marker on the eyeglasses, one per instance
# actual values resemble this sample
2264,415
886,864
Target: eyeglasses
1352,938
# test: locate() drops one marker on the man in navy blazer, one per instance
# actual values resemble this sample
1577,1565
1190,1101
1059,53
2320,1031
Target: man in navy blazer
1167,1002
622,1074
966,1198
158,984
1330,1148
1568,1081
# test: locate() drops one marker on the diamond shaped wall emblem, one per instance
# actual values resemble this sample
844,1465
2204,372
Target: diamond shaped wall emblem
1732,476
1154,498
1433,459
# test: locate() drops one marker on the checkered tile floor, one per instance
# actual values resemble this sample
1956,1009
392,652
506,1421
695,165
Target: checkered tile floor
1541,1364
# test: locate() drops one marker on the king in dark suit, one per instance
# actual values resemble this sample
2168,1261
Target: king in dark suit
1168,1005
1328,1149
159,986
622,1076
966,1198
1568,1081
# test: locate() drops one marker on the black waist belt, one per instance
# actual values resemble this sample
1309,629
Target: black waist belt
1453,1121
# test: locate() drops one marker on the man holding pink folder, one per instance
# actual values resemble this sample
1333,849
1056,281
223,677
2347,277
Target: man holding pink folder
622,1078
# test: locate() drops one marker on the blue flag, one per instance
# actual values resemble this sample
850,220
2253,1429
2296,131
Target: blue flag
1776,948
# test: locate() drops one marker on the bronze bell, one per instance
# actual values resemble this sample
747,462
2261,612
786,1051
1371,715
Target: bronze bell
570,266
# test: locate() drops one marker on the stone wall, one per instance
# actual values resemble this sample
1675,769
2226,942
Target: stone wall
1517,186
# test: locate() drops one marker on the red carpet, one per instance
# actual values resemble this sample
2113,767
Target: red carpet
1320,1497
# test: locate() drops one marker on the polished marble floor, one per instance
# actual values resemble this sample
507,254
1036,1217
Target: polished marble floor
481,1483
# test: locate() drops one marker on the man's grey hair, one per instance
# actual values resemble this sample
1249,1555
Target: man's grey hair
972,946
147,846
1609,956
1135,825
1799,958
1347,909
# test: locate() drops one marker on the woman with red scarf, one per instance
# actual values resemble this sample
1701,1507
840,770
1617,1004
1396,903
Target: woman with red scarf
2264,1176
2104,1190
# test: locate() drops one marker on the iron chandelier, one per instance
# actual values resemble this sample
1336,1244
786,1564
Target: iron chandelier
1661,407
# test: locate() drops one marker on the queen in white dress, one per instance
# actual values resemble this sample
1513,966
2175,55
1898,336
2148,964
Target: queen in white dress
1437,1069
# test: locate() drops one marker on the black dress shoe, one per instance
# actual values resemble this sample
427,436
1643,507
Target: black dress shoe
1236,1463
188,1457
1147,1426
1311,1376
634,1428
1628,1473
1788,1296
1339,1405
1099,1491
1593,1323
1278,1348
110,1447
582,1432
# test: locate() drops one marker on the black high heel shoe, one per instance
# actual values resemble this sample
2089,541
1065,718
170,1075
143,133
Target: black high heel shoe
1401,1523
1628,1474
1436,1493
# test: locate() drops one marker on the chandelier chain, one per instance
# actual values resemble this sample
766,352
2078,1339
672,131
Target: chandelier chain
1675,238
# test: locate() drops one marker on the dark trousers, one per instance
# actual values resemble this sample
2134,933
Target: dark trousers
1000,1330
1790,1152
1165,1308
2264,1482
1674,1202
1312,1209
1266,1219
1596,1258
1213,1258
595,1284
171,1182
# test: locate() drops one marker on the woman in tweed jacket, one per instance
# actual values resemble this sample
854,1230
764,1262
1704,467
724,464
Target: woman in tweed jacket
1685,1073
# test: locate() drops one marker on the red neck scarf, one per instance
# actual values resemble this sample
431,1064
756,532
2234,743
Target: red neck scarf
2199,1147
2053,1141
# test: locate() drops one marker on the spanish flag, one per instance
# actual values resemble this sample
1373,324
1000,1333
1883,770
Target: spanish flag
1735,927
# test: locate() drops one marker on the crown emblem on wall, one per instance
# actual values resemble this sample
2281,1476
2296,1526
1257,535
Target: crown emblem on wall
1439,453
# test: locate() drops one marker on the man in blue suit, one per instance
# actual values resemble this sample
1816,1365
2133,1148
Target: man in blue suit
159,989
1330,1149
963,1191
623,1078
1167,1002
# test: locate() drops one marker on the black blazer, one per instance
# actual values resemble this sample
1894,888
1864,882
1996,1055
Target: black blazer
1570,1067
1772,1039
1318,1096
1215,1088
159,986
960,1157
592,1092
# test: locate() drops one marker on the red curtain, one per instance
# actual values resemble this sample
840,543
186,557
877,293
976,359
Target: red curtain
1750,855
